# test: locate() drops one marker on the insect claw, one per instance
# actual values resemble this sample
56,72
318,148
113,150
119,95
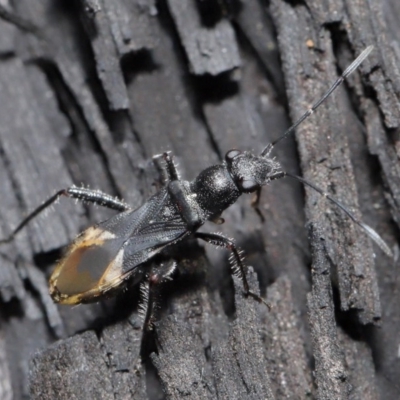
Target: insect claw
155,156
257,298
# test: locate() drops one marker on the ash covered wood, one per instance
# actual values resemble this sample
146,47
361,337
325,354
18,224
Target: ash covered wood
91,90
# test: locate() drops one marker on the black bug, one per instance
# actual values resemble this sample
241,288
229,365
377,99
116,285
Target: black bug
104,256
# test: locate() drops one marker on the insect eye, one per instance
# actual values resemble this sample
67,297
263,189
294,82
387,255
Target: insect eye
249,185
231,154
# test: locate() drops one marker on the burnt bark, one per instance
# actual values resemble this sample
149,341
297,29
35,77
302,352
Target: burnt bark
92,89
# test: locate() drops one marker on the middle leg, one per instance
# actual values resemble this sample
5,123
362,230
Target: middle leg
169,168
150,291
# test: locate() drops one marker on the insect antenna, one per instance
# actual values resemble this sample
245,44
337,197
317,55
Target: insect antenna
351,68
266,151
366,228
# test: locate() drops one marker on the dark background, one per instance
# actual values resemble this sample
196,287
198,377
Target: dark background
90,90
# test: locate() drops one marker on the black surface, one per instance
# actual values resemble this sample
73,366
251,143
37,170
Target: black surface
90,90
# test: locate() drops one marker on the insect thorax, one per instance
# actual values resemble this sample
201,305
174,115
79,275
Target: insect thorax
215,190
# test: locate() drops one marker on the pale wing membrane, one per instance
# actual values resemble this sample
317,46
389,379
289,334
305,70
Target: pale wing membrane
106,255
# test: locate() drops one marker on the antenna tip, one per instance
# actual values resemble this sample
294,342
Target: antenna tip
356,63
365,53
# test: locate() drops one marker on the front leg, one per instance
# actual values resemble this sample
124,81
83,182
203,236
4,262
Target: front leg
255,203
236,259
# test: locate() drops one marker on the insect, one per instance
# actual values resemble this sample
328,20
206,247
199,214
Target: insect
106,255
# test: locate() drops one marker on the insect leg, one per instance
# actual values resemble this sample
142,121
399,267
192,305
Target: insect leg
236,259
150,290
255,202
172,172
82,194
95,197
168,171
169,168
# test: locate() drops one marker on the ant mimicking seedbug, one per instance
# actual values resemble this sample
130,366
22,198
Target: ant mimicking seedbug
106,255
